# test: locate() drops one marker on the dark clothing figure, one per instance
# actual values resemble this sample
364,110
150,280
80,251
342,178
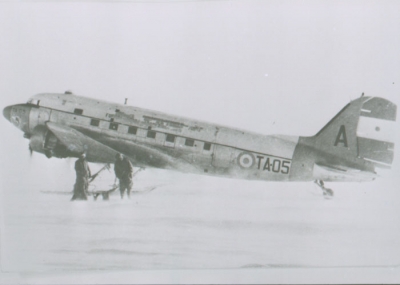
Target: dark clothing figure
124,172
82,179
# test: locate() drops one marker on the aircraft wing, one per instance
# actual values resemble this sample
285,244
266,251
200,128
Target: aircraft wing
332,173
77,142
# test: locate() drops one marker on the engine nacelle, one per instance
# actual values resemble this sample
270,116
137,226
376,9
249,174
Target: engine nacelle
42,140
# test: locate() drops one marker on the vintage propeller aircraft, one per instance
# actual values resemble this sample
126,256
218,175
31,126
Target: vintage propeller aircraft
357,141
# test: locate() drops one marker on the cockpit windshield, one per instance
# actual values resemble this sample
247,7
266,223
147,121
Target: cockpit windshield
33,102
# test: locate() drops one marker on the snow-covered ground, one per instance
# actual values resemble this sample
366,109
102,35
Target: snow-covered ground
272,67
195,222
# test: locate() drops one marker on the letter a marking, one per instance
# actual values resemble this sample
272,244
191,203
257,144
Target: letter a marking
341,136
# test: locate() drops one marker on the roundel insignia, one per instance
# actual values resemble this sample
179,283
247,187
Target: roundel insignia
246,160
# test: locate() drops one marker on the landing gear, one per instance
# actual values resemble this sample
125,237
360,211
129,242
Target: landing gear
328,193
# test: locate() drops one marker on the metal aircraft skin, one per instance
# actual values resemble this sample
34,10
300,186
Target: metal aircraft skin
359,139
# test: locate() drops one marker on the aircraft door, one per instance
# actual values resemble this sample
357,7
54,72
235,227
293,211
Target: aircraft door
223,156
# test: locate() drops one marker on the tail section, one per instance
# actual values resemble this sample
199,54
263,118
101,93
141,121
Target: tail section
376,131
350,147
364,129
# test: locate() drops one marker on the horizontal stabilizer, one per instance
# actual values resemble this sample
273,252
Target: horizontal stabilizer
329,173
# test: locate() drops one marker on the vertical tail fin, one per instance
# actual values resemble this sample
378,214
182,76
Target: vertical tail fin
364,129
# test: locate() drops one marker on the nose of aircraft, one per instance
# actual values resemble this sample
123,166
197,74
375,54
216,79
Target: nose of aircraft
7,112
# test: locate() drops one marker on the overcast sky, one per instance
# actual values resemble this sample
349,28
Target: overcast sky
266,66
239,63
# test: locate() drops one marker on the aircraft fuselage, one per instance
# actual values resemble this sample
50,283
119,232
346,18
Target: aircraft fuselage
63,125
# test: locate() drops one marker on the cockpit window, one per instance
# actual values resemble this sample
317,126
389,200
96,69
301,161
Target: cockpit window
34,102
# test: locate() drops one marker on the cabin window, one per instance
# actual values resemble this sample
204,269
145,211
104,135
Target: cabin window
95,122
151,134
189,142
132,130
114,126
170,138
78,111
207,146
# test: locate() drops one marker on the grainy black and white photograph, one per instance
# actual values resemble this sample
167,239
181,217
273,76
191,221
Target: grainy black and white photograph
200,142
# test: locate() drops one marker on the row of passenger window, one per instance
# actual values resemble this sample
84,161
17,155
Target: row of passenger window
150,134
